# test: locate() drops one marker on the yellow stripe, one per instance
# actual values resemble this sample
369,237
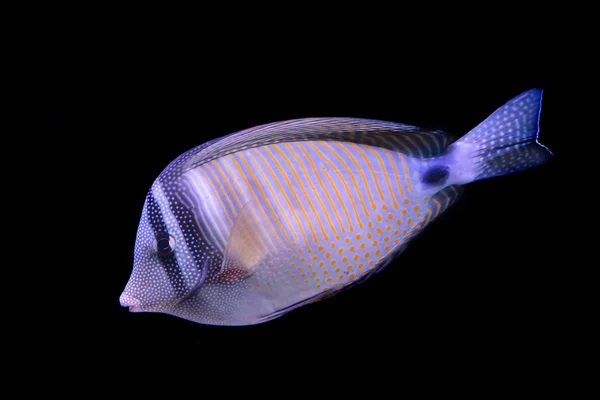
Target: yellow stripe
396,175
284,196
195,214
309,180
364,156
255,199
268,151
341,201
385,174
406,174
429,214
232,176
282,154
222,189
341,160
262,193
312,164
439,207
241,190
227,179
274,197
216,192
195,183
361,173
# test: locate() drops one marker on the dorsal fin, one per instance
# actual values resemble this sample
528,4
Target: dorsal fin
410,140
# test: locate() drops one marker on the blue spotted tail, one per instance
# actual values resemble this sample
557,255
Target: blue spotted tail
505,142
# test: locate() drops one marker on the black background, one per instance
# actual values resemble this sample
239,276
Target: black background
485,281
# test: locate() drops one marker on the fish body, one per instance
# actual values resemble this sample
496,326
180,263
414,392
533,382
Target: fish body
248,227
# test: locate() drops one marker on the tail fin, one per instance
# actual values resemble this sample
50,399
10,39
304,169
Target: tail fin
506,141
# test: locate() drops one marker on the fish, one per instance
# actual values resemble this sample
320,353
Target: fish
247,227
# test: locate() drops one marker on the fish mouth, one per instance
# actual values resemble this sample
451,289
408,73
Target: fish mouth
134,304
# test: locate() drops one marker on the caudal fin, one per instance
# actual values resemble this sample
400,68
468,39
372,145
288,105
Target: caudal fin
506,141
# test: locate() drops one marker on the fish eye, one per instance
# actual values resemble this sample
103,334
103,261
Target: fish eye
164,243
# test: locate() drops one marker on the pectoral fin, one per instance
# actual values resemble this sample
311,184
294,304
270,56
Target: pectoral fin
245,246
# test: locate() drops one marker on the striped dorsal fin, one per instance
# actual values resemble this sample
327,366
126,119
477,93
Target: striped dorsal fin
410,140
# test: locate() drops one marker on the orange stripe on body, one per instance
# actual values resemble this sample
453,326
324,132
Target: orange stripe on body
216,192
341,160
195,214
209,167
406,174
264,196
385,174
313,188
312,164
312,231
352,176
283,194
227,180
364,156
196,182
396,175
335,188
231,173
239,168
310,204
241,190
274,197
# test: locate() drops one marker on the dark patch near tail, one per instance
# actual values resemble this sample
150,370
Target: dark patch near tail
436,175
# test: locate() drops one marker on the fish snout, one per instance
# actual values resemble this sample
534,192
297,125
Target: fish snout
133,303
